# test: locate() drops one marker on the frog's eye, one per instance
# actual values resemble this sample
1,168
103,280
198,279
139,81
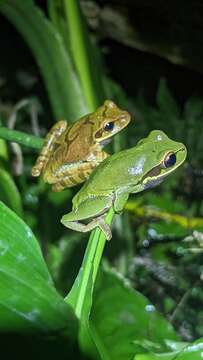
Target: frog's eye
169,160
109,126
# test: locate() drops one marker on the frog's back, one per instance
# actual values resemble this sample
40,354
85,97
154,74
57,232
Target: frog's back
77,141
111,174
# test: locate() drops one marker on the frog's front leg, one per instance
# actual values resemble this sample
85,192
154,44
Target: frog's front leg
95,208
97,156
51,139
120,201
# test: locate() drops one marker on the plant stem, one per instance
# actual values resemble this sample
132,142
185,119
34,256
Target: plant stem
21,138
85,281
100,244
81,51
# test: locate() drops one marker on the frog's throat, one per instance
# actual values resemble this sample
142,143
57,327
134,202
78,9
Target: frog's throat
105,142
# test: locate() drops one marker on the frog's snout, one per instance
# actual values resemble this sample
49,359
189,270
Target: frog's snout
183,148
181,153
125,117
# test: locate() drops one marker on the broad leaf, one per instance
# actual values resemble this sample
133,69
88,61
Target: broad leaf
28,299
122,320
191,351
9,192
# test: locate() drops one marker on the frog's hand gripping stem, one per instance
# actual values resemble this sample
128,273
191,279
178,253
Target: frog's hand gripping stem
49,144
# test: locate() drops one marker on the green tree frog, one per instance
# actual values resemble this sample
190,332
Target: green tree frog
129,171
70,153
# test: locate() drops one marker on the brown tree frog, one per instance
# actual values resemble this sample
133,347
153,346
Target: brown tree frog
70,153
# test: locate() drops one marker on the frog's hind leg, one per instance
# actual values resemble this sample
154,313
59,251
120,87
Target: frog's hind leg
98,222
76,173
95,207
49,144
71,176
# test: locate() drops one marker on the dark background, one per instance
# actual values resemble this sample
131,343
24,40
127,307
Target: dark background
142,44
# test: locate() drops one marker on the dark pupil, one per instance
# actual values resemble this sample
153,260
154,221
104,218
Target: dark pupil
109,126
170,160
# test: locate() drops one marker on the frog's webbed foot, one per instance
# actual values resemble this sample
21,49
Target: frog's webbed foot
49,144
98,222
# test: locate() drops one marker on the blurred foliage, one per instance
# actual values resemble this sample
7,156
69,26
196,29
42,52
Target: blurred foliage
156,248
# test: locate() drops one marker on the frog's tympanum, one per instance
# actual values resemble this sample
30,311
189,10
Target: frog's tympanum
129,171
70,153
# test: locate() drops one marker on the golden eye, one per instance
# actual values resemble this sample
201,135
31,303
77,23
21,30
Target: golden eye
169,160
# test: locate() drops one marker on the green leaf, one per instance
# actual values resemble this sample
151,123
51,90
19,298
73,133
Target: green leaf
47,45
9,192
155,357
191,351
3,150
122,319
28,299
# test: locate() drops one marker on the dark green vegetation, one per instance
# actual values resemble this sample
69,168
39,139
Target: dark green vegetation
154,259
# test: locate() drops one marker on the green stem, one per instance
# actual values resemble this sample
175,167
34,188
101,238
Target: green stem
79,46
99,244
89,269
21,138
